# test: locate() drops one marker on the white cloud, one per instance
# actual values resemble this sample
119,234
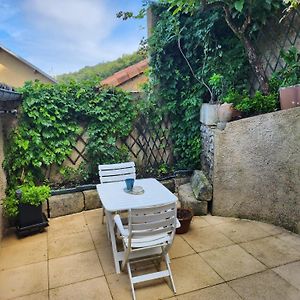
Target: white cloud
75,28
65,35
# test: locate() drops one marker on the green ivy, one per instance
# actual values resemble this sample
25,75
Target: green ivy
49,125
211,48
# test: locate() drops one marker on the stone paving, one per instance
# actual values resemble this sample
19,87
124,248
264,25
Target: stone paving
219,258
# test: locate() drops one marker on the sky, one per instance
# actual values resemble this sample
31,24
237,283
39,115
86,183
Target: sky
60,36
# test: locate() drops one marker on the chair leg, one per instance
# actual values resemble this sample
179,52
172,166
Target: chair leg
130,278
167,259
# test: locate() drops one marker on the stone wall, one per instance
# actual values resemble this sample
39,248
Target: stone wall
207,150
2,181
257,169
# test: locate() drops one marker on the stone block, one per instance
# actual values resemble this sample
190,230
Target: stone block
91,200
169,184
45,208
188,200
66,204
201,187
180,181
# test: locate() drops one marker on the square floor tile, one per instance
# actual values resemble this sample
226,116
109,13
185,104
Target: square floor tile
232,262
220,291
198,222
266,285
206,238
191,273
291,239
242,230
93,219
214,220
180,248
270,228
39,296
11,239
93,289
23,254
74,268
106,259
272,251
70,244
291,273
119,285
100,238
67,225
24,280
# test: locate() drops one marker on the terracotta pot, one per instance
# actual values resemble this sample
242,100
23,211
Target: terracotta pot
289,97
184,215
225,112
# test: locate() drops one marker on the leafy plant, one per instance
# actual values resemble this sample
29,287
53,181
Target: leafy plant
216,81
32,195
258,104
49,124
290,74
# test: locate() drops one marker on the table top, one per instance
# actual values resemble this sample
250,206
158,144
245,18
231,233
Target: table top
114,198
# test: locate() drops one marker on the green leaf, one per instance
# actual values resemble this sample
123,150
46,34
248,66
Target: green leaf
239,5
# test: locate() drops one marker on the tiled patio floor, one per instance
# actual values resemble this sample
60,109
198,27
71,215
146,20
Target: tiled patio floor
219,258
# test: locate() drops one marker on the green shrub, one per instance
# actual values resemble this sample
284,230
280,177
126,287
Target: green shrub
258,104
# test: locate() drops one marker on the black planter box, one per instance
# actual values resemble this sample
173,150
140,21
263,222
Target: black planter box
30,219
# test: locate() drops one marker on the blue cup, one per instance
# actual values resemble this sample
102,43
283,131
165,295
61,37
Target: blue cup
129,183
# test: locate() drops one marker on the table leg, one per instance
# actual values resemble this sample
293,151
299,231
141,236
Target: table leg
109,217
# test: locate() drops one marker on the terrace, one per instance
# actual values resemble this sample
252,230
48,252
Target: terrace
219,258
243,156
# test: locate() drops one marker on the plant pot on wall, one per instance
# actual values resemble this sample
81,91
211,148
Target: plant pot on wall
289,97
225,112
184,215
209,114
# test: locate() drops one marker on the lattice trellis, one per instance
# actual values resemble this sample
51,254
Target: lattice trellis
150,145
78,150
275,37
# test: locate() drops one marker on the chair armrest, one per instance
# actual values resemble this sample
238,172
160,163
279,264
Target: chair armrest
178,225
119,224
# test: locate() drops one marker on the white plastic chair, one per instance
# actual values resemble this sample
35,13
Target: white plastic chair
116,173
148,235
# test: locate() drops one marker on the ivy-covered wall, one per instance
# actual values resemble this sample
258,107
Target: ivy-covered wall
49,124
212,51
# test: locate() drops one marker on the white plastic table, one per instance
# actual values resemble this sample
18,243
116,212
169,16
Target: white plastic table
114,198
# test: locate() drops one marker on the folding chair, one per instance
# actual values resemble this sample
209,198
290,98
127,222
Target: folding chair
116,173
148,235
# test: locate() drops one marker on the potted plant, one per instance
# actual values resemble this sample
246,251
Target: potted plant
25,204
184,216
209,111
289,79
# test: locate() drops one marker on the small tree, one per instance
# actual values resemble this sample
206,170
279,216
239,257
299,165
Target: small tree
244,17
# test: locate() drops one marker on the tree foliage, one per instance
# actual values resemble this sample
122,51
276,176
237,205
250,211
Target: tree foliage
244,17
102,70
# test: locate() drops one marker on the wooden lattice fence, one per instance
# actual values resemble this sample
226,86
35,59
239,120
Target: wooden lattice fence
276,36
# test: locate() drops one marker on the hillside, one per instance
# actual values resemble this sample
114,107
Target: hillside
102,70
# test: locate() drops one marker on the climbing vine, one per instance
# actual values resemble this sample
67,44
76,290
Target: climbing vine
210,47
49,123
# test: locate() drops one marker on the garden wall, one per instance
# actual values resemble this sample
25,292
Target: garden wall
2,181
257,169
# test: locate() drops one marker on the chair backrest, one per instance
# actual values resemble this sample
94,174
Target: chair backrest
116,172
153,222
